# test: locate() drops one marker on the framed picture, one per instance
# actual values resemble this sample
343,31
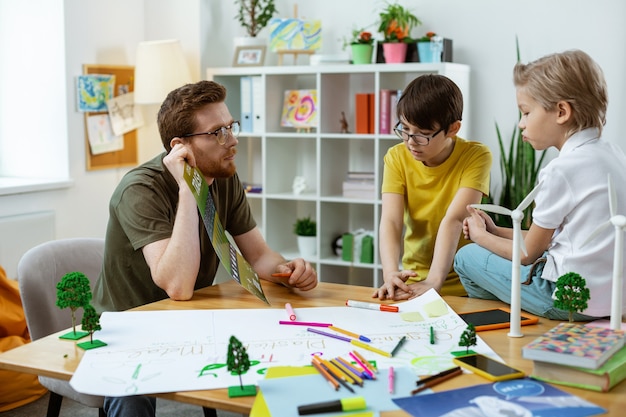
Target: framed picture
246,56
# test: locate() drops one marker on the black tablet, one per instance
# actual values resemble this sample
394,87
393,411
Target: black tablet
494,318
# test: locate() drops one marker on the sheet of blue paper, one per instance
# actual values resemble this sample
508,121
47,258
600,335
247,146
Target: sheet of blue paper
518,397
284,395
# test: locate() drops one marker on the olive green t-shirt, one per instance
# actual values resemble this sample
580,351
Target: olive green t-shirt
142,210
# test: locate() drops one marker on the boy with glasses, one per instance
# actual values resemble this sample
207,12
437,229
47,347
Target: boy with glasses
156,244
429,179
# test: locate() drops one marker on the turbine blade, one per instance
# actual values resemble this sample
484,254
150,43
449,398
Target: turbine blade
492,208
596,232
529,198
612,197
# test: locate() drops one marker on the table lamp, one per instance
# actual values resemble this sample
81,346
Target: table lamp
160,68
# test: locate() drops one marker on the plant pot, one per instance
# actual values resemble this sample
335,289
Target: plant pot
307,246
250,41
430,51
362,53
395,52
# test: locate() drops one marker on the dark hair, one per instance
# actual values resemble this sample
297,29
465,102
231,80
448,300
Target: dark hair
570,76
177,115
431,101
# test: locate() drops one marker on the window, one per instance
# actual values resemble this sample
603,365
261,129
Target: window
33,103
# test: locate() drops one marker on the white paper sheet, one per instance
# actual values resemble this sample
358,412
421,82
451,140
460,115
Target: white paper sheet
166,351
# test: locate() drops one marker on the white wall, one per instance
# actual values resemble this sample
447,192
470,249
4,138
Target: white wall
483,32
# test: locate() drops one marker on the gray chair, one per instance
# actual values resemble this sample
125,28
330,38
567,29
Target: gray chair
38,272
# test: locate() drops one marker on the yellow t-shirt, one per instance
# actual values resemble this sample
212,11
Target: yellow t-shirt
428,191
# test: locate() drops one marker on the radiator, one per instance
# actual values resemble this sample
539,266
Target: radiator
20,233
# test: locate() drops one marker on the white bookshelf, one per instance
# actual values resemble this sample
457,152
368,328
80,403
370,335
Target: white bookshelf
275,155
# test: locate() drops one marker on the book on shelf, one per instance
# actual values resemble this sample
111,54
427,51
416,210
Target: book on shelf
385,111
359,185
246,104
575,345
612,372
361,113
258,124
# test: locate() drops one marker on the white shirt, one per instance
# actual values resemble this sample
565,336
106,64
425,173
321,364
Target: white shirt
573,199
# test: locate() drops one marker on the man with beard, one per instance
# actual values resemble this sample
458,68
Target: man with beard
156,244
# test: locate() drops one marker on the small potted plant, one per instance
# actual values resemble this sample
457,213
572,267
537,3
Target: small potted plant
430,47
362,46
306,231
253,16
396,23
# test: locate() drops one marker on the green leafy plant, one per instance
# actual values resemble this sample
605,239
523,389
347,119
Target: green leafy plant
396,23
305,227
519,167
427,37
91,321
73,292
254,15
571,294
359,36
468,337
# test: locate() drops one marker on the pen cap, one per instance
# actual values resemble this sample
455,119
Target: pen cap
392,309
346,404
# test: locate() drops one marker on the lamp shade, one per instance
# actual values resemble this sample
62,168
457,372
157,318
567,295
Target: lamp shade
160,68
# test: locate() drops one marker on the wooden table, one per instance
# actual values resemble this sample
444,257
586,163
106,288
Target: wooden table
53,357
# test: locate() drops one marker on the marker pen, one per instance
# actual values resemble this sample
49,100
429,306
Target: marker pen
372,306
290,312
346,404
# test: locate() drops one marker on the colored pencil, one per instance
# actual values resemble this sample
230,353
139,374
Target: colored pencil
351,334
333,383
398,346
436,381
370,348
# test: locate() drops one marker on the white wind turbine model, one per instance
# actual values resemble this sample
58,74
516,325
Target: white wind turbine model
619,223
515,328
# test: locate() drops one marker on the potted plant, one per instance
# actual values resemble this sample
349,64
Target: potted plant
306,231
396,23
430,47
254,15
362,46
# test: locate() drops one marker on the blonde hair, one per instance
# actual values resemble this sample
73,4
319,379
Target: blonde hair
570,76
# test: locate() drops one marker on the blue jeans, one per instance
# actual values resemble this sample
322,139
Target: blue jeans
138,406
488,276
132,406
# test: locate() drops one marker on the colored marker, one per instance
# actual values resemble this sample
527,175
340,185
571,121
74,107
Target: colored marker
281,274
432,335
372,306
370,348
398,346
305,323
439,375
351,368
290,313
346,404
436,381
333,383
366,369
349,333
335,336
391,377
365,363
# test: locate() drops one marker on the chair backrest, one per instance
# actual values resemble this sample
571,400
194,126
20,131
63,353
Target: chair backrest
42,267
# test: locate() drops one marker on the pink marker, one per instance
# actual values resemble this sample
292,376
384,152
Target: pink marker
290,312
391,378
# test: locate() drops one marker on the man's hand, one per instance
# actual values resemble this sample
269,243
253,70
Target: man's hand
301,274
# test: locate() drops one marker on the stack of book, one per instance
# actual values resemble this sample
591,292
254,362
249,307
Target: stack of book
577,355
360,185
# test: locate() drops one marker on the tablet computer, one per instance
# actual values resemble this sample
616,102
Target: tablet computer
495,318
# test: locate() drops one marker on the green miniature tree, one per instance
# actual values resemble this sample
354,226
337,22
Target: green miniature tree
238,363
91,321
571,294
468,337
73,291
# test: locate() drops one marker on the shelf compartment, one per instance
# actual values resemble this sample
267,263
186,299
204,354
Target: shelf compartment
291,157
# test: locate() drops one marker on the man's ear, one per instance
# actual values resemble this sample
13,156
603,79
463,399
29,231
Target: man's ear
454,129
176,141
564,112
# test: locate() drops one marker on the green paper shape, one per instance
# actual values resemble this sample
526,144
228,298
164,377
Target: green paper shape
463,353
91,345
241,391
74,335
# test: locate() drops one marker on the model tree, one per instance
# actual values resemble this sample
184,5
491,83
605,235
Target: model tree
91,323
571,294
74,292
238,363
468,337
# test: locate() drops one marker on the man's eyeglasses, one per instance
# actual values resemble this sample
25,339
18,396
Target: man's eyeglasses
415,137
221,134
